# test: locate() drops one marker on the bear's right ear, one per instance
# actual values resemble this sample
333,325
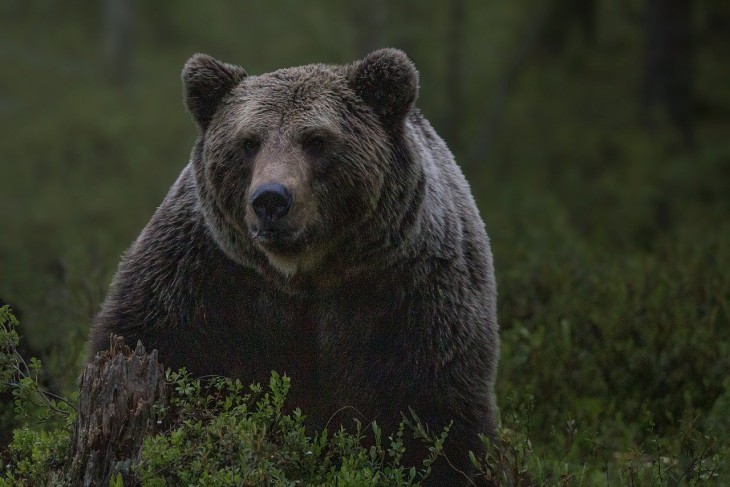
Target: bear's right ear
205,82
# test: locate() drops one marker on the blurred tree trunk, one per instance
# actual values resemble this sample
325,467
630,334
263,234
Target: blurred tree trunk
587,14
455,72
716,19
119,40
498,101
669,75
369,21
564,16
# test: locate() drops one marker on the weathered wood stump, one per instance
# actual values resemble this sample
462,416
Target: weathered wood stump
115,412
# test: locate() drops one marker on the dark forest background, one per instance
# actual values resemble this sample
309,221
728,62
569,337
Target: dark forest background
595,135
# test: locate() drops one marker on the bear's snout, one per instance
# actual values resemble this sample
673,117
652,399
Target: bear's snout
271,202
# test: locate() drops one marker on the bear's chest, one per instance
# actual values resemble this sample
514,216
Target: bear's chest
255,329
347,348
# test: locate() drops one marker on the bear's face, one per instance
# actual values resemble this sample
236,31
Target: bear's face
292,162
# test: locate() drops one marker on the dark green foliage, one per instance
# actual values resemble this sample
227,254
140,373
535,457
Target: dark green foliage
40,447
577,457
219,433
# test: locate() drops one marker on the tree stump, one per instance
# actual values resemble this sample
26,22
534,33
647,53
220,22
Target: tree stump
115,412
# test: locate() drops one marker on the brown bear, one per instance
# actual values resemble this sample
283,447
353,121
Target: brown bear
321,229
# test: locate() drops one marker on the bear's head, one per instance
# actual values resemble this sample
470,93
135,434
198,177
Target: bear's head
298,165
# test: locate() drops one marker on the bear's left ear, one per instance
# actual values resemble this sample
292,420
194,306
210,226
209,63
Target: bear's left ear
387,80
205,82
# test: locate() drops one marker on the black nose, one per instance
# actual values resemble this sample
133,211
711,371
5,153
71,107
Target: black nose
271,202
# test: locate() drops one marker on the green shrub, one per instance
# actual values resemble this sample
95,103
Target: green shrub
39,448
217,433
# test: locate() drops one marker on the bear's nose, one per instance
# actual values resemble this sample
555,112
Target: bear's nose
271,202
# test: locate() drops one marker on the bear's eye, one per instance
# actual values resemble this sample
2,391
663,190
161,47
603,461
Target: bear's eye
250,146
315,144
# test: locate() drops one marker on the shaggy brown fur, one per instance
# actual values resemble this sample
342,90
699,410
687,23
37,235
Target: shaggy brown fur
374,290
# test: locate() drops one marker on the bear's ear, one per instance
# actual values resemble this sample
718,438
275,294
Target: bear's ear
205,82
387,80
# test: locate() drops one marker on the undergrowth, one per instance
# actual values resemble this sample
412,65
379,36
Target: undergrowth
218,432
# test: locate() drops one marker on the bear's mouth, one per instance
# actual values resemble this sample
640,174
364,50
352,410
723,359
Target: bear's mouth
278,240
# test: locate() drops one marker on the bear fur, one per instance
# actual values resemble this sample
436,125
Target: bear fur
374,292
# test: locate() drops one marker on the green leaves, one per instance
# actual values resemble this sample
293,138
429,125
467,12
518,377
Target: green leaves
35,454
215,432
